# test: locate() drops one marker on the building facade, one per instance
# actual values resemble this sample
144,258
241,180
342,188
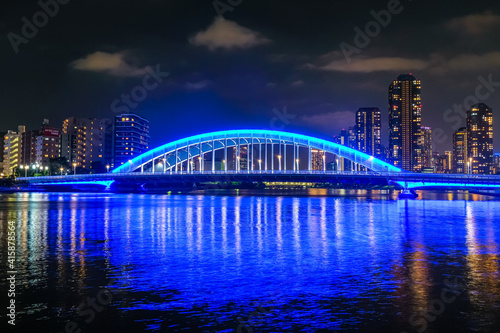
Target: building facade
443,163
317,160
480,139
346,138
460,151
405,117
28,155
496,162
12,151
368,131
87,142
48,145
131,137
40,146
426,148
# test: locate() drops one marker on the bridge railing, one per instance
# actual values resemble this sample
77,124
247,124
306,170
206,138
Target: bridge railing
110,175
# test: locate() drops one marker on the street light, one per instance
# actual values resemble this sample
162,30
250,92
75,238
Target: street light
107,168
61,170
324,163
47,169
238,166
224,165
279,159
470,165
297,160
74,168
260,165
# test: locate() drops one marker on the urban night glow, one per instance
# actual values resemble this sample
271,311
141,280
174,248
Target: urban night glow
250,166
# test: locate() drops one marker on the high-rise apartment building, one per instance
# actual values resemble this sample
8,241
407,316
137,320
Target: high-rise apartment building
87,142
346,138
40,146
426,148
131,137
405,117
368,131
317,160
496,162
460,151
12,150
449,161
480,139
28,154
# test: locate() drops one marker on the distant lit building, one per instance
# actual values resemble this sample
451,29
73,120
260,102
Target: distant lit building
243,158
2,140
131,137
87,142
28,150
426,148
39,146
436,162
368,131
12,150
443,163
460,151
317,160
480,139
48,145
347,138
405,129
496,162
448,167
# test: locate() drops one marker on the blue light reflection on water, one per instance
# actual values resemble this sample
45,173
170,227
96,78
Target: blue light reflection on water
322,262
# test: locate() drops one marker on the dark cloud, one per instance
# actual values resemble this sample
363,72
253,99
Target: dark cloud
225,34
110,63
475,24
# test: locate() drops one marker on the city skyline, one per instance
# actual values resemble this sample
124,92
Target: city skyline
119,141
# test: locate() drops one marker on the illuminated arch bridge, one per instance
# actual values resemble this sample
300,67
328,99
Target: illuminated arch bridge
252,151
256,156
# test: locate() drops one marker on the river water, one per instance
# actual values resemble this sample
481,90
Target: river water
247,262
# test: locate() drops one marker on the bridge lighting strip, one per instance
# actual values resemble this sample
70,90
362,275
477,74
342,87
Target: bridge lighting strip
413,185
106,183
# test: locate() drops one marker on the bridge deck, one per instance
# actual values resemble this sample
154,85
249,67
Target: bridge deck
409,179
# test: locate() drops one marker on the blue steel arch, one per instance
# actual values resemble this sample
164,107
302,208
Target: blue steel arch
202,143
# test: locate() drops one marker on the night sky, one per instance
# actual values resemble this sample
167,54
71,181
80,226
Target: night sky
269,64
